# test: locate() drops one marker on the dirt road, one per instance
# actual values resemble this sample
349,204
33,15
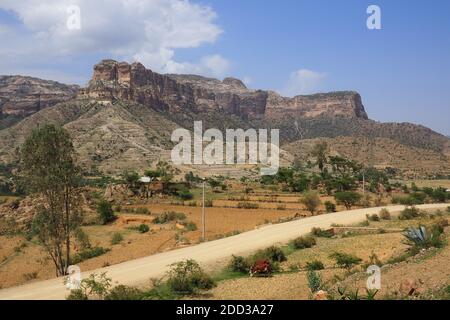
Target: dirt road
139,271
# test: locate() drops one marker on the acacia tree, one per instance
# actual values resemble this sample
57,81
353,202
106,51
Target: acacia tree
49,169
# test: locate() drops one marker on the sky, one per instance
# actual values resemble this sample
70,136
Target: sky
402,71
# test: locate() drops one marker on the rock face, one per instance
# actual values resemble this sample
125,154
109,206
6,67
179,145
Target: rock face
177,93
23,96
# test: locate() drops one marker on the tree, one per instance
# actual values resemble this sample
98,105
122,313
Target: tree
347,198
320,153
311,201
105,212
48,166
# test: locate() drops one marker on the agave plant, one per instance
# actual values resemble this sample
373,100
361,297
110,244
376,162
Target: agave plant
423,238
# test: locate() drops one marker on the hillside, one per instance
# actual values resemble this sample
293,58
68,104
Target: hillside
125,116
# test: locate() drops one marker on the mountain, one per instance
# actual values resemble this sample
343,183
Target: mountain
22,96
124,117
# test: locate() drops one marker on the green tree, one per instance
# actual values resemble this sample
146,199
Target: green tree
105,212
320,153
48,166
311,201
347,198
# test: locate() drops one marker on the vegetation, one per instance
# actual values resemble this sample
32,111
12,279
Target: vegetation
48,164
88,254
143,228
238,264
330,207
347,198
345,260
314,265
409,213
303,242
116,238
385,214
424,238
311,201
315,282
186,277
105,212
170,216
318,232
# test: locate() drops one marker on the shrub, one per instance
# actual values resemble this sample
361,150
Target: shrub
186,277
190,226
281,207
304,242
192,204
448,209
261,268
347,198
77,294
247,205
315,283
142,210
82,239
208,203
116,238
345,260
185,195
314,265
88,254
409,213
311,201
143,228
169,217
330,207
238,264
318,232
424,238
122,292
373,217
105,212
385,214
273,253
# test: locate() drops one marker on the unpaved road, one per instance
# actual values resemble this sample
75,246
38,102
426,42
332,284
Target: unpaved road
139,271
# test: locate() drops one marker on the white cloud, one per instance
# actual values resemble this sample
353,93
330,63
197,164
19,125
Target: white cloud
303,81
146,30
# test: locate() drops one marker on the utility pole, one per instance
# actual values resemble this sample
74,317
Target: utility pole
364,182
203,213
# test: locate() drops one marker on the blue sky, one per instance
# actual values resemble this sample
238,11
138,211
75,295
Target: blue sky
401,71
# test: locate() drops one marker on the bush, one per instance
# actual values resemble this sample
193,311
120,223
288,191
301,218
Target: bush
318,232
143,228
247,205
273,253
330,207
347,198
409,213
261,268
142,211
169,217
116,238
122,292
185,195
281,207
304,242
190,226
385,214
105,212
208,203
192,204
373,217
345,260
88,254
82,239
311,201
315,283
448,209
186,277
78,295
238,264
314,265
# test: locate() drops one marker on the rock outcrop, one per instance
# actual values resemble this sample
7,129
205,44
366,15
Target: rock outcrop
23,96
177,93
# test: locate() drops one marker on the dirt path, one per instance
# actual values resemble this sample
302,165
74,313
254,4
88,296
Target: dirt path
139,271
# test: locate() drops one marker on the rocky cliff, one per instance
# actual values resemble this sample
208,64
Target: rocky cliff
23,96
182,93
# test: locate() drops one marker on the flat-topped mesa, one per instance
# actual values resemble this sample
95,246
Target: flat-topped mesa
177,93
